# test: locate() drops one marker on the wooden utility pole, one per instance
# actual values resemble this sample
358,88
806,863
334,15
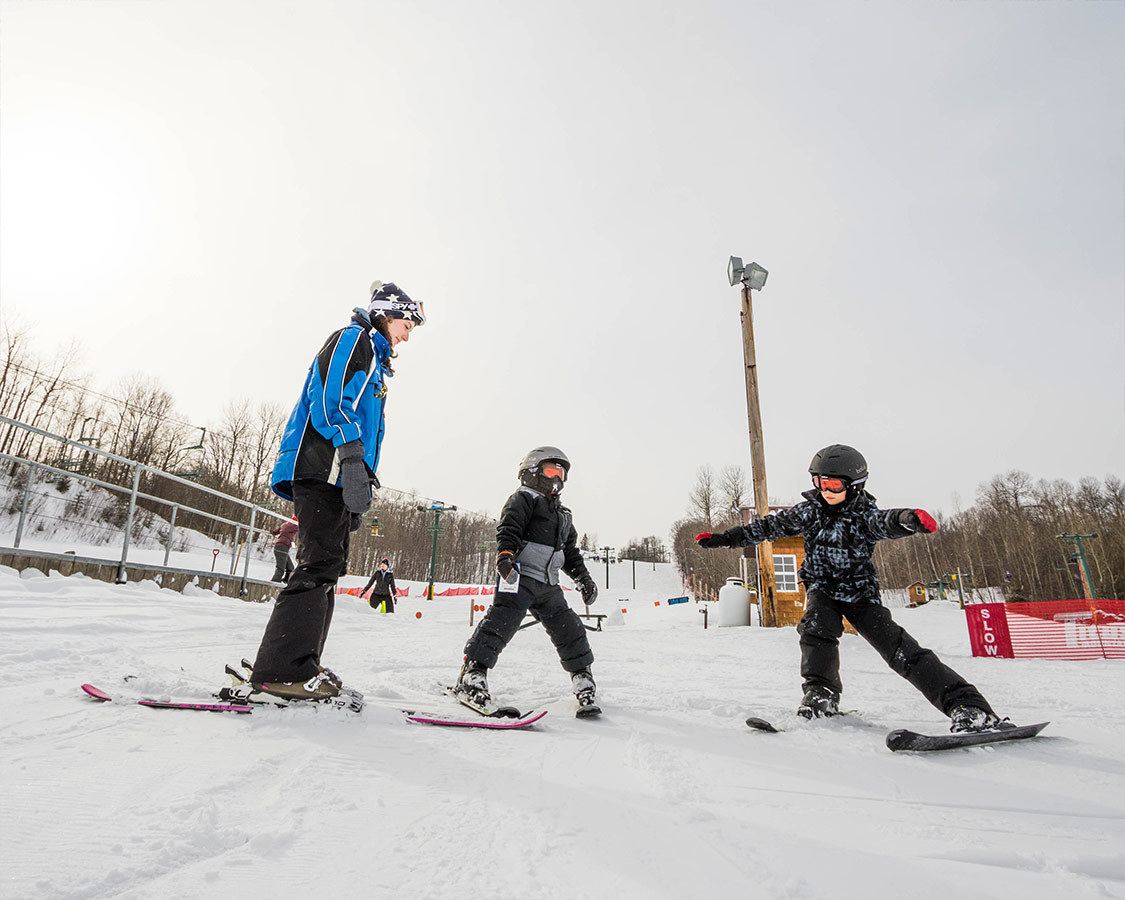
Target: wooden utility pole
768,599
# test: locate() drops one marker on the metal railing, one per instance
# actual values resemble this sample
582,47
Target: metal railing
247,529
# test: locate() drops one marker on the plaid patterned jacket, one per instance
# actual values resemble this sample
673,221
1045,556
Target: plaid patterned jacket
839,541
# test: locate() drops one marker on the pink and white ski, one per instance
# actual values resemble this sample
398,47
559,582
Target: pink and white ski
98,694
497,724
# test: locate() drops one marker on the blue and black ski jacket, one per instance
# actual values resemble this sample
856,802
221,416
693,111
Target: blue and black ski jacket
342,401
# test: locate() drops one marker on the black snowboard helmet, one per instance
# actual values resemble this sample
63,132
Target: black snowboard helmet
531,470
840,461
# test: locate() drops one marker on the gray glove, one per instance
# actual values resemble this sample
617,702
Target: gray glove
355,480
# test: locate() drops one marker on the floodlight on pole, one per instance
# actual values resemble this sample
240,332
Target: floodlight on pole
753,278
753,275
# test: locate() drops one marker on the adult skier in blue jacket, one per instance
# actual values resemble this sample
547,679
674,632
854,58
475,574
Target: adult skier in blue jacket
326,465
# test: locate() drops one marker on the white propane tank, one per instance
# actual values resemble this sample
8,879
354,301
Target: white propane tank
734,603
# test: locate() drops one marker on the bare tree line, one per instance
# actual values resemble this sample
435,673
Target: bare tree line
1009,539
138,420
466,542
646,549
714,502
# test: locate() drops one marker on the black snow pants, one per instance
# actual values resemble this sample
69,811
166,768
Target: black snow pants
820,630
284,565
547,604
298,626
376,599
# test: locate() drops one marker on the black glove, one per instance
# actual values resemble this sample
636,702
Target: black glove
589,590
356,482
711,541
504,565
354,521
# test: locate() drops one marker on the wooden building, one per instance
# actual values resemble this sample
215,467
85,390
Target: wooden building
788,555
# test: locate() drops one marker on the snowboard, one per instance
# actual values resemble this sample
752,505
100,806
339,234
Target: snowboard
903,739
151,703
493,722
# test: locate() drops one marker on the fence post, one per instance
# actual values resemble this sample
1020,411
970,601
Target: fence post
242,590
171,531
31,469
121,576
235,548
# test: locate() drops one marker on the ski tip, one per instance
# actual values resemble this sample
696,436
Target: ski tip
96,693
588,712
761,725
899,739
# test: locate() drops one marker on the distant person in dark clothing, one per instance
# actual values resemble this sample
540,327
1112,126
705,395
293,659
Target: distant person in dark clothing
285,533
382,587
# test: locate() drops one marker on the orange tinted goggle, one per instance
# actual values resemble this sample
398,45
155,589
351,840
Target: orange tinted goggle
825,483
553,470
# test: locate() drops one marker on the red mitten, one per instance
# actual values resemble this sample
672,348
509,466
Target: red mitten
926,521
703,535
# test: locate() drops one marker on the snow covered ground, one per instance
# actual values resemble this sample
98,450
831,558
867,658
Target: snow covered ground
668,795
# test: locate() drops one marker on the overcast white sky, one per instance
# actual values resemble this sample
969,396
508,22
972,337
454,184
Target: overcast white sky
201,191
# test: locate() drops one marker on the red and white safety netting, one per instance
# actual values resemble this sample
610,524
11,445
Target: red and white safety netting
1048,629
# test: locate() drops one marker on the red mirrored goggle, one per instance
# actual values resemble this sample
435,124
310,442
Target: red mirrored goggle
553,470
832,485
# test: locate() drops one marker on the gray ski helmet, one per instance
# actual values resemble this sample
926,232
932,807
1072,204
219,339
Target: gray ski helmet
535,458
840,461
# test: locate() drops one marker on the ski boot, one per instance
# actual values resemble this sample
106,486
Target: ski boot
819,701
966,719
247,677
584,689
472,685
317,690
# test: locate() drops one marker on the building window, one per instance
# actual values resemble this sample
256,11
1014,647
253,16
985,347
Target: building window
785,571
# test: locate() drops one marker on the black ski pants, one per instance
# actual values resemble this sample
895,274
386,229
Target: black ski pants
547,604
284,564
820,630
376,599
298,626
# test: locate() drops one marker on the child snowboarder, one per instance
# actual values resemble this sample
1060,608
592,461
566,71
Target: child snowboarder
841,525
534,540
383,581
326,465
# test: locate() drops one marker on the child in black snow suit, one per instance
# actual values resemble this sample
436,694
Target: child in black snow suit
534,540
841,525
383,582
